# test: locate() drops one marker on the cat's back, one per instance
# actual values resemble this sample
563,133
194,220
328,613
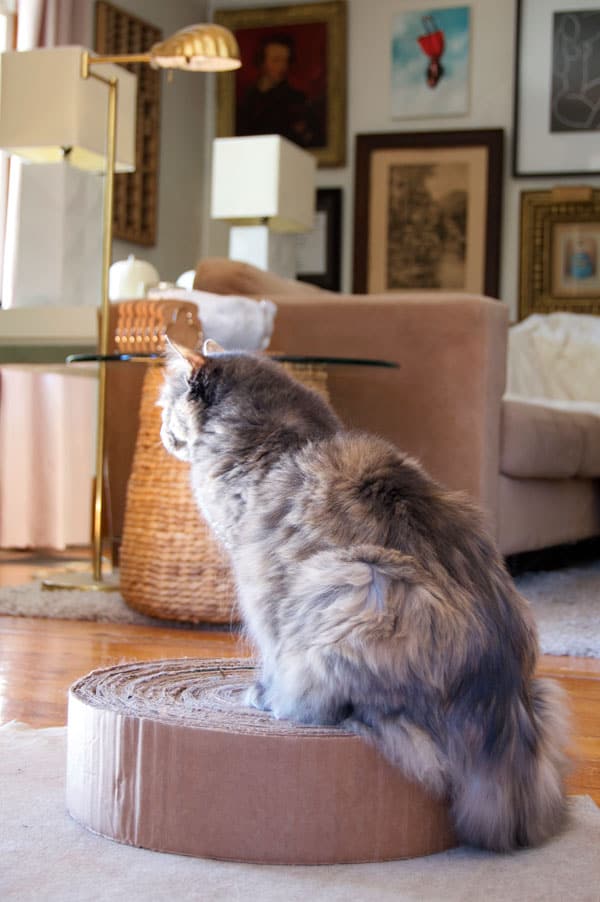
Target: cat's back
357,487
360,488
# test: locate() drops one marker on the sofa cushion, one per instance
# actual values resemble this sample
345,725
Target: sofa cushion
550,439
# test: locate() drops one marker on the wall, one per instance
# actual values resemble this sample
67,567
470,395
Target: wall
182,143
492,77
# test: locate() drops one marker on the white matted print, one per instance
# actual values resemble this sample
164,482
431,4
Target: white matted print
430,62
427,220
557,100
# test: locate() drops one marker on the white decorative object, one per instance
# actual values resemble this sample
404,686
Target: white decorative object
131,278
265,184
236,323
186,279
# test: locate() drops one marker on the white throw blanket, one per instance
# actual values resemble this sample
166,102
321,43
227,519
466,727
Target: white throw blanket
555,357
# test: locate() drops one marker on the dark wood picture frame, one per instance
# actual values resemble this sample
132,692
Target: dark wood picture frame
312,106
483,152
329,202
135,214
560,251
553,154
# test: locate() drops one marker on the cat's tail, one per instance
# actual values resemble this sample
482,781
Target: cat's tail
517,798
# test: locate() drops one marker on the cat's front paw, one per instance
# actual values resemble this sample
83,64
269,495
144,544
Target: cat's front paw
255,697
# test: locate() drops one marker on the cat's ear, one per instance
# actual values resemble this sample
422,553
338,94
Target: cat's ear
181,359
211,346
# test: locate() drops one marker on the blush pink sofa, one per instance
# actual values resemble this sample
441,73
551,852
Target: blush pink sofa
534,469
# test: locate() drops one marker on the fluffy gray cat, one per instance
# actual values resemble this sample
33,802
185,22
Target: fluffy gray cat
374,596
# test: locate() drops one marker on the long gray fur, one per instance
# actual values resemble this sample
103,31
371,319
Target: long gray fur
375,597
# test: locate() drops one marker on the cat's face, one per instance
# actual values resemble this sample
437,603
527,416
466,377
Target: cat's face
229,402
179,409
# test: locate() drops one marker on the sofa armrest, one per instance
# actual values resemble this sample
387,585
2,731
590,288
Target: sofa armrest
443,404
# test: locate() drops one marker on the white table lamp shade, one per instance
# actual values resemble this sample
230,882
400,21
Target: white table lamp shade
45,106
263,177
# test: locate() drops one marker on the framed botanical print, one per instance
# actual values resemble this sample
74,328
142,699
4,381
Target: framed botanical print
319,251
427,211
556,104
560,251
292,81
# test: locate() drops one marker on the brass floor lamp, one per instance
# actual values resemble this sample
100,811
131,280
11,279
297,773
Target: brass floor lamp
198,48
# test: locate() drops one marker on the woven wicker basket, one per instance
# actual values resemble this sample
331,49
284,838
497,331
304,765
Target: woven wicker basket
171,566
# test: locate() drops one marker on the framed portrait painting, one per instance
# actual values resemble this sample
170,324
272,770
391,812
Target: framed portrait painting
557,98
560,251
292,81
427,211
430,62
319,251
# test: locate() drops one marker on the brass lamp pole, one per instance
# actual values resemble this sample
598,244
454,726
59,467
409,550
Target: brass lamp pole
197,48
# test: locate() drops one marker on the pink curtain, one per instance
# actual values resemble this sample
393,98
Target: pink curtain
47,420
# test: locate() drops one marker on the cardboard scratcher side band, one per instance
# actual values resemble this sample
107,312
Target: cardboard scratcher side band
164,755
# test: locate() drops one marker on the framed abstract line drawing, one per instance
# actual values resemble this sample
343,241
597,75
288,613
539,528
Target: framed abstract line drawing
557,98
560,251
427,211
430,62
320,251
293,76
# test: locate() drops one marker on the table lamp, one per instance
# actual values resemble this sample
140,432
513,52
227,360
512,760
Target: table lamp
49,115
54,105
264,185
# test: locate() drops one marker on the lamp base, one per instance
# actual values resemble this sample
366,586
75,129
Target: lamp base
84,582
272,251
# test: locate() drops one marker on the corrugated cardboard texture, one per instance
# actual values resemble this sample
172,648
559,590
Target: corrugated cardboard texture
163,755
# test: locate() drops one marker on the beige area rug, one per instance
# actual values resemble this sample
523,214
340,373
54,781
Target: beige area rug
566,604
47,856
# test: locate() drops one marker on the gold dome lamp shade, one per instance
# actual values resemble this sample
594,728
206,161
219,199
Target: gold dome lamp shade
197,48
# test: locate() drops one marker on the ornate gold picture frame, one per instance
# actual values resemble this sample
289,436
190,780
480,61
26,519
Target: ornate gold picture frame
293,76
560,251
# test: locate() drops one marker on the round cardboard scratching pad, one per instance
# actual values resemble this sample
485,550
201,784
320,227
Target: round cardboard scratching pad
165,755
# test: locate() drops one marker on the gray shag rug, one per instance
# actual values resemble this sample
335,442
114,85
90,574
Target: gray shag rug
566,605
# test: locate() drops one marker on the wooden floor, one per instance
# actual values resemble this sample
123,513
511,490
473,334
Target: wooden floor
39,659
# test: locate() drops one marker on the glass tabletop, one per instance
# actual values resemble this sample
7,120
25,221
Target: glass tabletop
280,358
